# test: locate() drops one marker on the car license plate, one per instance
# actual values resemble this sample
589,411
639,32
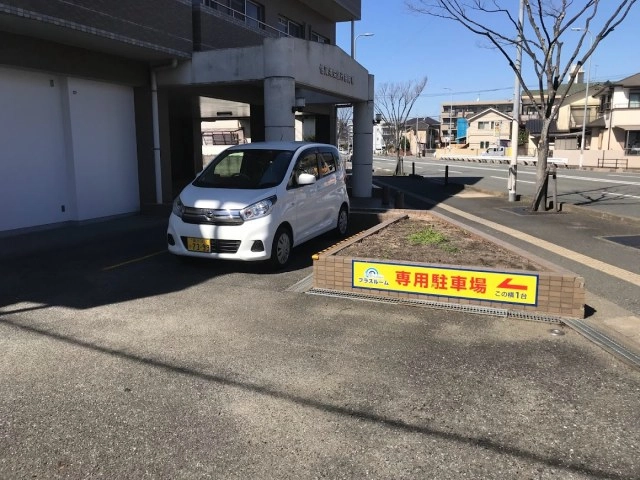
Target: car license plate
199,245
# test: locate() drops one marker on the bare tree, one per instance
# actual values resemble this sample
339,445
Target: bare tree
344,121
394,102
540,37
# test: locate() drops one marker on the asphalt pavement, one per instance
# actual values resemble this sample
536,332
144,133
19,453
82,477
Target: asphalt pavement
121,361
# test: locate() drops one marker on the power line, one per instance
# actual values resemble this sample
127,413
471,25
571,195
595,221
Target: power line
448,94
472,92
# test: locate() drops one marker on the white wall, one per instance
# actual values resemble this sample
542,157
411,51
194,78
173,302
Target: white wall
620,98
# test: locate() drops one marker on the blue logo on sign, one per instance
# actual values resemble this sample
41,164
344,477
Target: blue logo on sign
372,273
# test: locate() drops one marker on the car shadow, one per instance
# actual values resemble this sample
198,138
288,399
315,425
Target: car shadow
114,261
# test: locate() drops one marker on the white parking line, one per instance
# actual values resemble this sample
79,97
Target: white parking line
519,181
623,176
600,180
620,195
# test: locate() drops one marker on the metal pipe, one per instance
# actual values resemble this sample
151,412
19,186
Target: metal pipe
353,51
157,164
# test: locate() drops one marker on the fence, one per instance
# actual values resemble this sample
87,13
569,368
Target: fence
613,163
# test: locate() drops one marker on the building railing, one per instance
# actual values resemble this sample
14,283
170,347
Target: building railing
605,107
221,137
632,151
577,117
244,18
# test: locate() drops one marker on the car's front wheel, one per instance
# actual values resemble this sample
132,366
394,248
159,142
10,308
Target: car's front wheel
281,248
343,222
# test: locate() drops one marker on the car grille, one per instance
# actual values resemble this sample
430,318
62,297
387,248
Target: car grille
207,216
219,246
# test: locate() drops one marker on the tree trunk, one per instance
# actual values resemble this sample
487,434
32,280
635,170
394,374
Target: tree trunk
399,164
540,197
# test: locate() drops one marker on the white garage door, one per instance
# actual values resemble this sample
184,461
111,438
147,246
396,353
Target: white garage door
33,177
68,149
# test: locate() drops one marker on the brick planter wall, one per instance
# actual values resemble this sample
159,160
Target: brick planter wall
560,293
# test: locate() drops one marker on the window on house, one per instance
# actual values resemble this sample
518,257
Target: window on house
634,99
485,125
290,28
316,37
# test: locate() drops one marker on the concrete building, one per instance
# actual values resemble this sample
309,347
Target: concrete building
102,103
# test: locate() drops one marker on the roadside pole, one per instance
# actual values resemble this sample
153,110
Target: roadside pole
515,125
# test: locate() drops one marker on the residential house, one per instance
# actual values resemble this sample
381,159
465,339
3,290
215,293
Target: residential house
454,115
488,128
566,131
422,134
617,128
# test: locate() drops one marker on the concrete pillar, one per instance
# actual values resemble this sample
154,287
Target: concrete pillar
362,160
279,90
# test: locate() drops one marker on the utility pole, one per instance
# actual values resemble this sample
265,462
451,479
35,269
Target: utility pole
515,126
417,145
586,99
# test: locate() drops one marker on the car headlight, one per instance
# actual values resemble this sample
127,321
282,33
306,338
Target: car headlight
178,207
258,209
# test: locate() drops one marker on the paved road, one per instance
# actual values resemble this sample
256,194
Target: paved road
613,192
120,361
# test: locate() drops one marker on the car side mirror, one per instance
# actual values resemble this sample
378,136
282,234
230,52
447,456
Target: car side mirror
306,179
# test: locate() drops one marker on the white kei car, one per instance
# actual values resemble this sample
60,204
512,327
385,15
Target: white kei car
257,201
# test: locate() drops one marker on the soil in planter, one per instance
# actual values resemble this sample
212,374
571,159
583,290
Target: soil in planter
436,241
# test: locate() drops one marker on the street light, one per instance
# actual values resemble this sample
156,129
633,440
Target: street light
450,116
356,39
586,95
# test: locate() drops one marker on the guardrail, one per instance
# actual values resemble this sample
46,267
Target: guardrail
503,159
613,163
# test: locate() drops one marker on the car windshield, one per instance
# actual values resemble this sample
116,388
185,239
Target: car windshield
246,169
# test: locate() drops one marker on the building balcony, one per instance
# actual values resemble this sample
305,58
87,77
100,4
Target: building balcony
336,10
143,30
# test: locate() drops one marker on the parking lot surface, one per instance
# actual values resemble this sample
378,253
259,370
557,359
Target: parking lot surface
120,361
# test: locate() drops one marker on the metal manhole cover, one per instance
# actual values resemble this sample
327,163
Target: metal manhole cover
527,211
632,241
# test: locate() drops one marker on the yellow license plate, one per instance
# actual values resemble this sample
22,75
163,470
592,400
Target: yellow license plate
199,245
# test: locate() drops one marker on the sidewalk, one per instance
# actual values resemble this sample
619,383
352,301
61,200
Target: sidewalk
577,239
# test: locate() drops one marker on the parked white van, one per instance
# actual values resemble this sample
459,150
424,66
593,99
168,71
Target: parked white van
495,151
257,201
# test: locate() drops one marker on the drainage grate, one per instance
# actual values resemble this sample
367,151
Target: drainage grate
605,342
632,241
496,312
